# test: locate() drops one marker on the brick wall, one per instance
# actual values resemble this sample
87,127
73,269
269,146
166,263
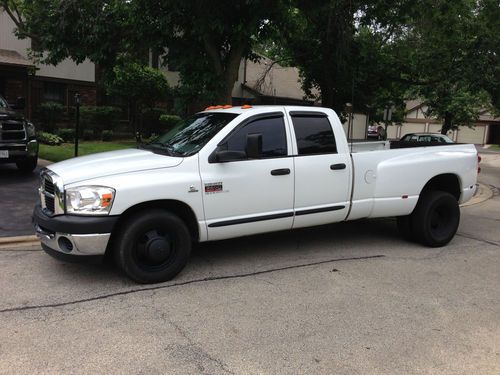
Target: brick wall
88,94
14,89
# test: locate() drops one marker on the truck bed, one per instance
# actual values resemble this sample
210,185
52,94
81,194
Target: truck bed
387,182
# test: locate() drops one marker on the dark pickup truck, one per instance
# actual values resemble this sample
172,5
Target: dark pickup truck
18,142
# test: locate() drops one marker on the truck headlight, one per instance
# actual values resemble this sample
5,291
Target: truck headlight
89,200
30,129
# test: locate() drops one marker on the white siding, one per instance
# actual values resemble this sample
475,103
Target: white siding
279,80
435,128
358,126
412,128
392,132
7,38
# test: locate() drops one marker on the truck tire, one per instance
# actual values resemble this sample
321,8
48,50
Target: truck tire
152,246
435,219
27,165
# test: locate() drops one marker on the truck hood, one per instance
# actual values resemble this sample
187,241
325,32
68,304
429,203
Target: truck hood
8,114
111,163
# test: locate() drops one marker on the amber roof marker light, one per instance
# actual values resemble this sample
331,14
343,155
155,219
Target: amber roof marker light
246,106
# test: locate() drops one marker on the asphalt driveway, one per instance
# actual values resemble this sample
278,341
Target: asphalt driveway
18,196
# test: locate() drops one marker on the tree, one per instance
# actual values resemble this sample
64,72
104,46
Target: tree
206,39
138,85
342,48
99,30
449,57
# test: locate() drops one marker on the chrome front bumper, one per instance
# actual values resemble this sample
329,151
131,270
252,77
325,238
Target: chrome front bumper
74,244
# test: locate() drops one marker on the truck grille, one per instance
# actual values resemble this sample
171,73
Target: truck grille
49,196
11,130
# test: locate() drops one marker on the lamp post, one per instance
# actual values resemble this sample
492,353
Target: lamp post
348,109
77,122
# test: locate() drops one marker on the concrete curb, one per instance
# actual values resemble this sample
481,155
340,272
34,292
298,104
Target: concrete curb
18,241
43,162
483,193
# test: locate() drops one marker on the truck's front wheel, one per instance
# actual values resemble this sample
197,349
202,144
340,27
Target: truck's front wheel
152,246
27,165
436,218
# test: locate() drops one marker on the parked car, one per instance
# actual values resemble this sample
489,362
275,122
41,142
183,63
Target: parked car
236,171
376,132
426,137
18,142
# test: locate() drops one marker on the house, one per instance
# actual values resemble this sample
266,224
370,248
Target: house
20,77
486,130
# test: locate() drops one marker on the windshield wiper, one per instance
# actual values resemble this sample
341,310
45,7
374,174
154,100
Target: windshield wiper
162,147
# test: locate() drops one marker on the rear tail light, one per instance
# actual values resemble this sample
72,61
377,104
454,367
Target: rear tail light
478,161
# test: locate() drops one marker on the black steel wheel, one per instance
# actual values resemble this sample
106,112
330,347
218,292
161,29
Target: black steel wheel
436,218
27,165
152,246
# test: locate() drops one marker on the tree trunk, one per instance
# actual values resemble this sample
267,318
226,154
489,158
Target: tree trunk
447,123
327,96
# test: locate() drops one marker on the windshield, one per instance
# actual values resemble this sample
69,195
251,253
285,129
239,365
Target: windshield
3,103
192,134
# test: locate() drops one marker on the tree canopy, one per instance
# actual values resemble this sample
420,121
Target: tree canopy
369,52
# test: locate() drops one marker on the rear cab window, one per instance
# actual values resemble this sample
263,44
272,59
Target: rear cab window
313,133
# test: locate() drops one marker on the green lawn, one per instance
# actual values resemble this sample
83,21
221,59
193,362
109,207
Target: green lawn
495,147
67,150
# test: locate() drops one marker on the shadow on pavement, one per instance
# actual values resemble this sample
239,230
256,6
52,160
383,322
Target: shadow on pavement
18,196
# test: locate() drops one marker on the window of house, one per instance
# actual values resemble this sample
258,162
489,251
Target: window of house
314,135
273,136
54,92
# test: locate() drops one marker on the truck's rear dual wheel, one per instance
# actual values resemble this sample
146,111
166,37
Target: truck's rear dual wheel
434,221
152,246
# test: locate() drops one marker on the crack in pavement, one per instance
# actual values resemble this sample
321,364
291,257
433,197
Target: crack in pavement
471,237
199,352
182,283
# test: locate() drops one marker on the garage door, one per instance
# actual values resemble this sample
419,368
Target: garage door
435,128
412,128
392,132
474,135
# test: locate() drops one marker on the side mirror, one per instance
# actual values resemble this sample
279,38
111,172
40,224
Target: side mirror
20,104
254,146
224,156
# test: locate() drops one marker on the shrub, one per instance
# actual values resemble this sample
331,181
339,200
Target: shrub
49,139
151,120
168,122
68,135
88,135
98,119
107,135
50,114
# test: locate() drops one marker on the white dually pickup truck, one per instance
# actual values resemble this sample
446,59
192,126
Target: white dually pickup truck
236,171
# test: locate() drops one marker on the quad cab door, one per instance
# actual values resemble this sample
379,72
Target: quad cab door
244,195
322,175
